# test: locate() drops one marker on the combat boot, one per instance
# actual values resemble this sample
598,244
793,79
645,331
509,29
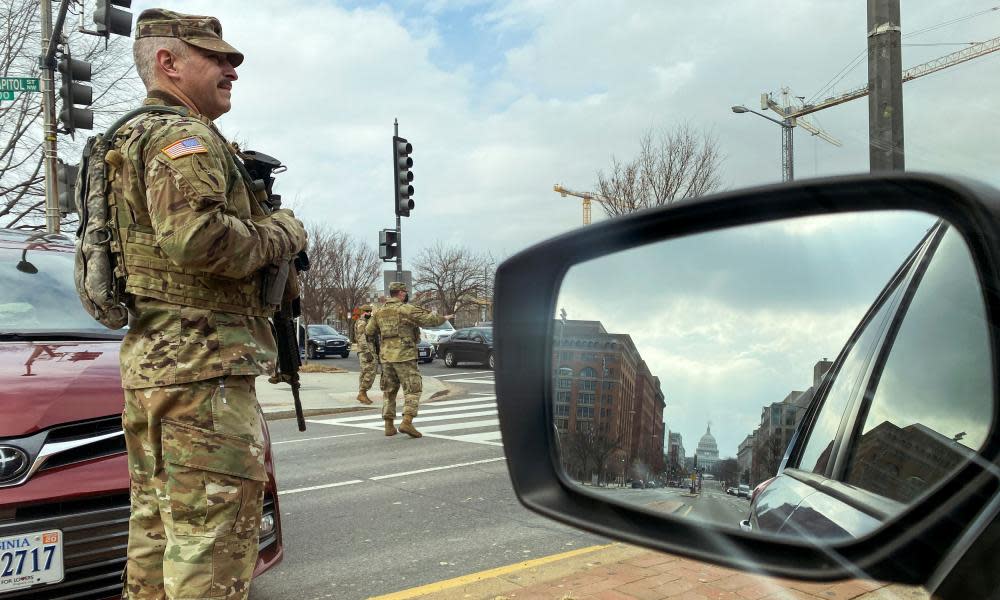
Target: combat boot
363,397
407,427
390,429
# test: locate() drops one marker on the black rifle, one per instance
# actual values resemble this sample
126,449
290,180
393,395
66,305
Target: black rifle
260,169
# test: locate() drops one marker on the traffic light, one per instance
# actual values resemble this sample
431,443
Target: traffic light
66,178
113,21
401,163
388,244
74,92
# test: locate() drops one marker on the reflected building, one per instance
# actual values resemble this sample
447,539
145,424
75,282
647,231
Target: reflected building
603,385
707,452
675,453
744,456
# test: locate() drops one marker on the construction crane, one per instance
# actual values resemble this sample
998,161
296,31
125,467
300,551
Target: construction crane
587,197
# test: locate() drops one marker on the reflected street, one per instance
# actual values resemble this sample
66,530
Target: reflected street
710,505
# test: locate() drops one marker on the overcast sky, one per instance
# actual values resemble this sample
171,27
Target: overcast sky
503,99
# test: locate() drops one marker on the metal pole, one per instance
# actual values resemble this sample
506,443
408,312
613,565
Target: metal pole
787,154
885,82
399,225
49,122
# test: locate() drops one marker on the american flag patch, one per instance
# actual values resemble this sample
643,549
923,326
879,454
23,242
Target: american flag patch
184,147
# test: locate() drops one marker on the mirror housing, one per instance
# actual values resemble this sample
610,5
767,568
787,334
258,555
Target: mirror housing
931,533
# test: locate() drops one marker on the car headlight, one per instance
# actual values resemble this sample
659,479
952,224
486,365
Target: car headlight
266,525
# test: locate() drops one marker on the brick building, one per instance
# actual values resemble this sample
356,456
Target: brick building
603,385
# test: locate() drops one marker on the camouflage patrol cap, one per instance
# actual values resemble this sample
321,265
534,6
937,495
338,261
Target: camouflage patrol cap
397,286
199,31
366,308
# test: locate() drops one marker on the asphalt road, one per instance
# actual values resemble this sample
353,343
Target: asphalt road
711,505
364,515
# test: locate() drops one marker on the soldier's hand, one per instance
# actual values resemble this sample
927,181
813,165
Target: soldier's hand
296,231
449,317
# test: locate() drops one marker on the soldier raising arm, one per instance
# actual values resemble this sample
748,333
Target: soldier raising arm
397,323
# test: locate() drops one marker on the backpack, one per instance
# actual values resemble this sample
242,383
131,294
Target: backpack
97,271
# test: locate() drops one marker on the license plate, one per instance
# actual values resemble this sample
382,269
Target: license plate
30,559
425,352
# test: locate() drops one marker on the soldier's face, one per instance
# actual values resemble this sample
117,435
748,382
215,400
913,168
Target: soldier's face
207,79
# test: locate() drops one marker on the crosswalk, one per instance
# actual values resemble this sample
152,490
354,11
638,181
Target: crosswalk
473,377
472,419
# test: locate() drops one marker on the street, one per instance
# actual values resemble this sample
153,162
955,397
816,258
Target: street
711,505
364,515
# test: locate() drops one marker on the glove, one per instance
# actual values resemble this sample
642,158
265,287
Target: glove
293,228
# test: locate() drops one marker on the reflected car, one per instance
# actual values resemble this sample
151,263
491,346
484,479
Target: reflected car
852,462
472,344
63,470
425,352
637,484
743,491
326,341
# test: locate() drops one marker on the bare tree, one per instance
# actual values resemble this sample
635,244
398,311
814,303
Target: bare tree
680,163
342,271
116,89
450,276
586,451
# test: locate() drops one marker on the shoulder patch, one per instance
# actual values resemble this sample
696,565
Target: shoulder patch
189,145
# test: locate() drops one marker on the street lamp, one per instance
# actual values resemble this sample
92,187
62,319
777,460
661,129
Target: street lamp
787,158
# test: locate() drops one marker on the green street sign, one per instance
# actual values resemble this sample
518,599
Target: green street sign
18,84
6,95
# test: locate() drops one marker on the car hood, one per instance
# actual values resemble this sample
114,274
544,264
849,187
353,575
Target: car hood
327,338
44,384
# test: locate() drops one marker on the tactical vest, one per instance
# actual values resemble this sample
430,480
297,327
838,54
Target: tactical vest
145,268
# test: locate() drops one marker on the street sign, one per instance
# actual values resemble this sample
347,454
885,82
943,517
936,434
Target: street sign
18,84
5,95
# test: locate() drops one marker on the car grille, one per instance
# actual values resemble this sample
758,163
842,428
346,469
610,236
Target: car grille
336,344
69,444
95,540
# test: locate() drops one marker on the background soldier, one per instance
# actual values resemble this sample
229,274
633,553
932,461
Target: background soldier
195,255
398,325
366,356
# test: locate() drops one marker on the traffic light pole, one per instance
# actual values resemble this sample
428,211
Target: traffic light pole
49,117
399,225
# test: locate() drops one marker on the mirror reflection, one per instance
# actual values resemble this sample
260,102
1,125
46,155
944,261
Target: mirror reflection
808,377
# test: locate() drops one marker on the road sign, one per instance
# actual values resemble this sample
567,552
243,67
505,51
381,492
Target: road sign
19,84
6,95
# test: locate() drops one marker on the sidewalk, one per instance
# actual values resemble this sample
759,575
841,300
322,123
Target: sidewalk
329,393
622,572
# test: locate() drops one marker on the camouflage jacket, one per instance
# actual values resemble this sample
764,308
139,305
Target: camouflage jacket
360,337
194,252
398,325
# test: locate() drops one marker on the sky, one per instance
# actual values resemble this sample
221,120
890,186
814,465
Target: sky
503,99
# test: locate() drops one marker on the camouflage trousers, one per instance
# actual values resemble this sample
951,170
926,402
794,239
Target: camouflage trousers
407,374
196,464
367,378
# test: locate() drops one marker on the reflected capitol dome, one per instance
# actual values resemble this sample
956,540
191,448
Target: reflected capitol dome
708,449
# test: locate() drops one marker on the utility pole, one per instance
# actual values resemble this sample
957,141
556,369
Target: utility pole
885,82
47,66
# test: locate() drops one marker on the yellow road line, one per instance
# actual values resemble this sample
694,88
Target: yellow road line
439,586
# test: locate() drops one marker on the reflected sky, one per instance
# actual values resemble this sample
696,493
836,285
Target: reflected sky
733,320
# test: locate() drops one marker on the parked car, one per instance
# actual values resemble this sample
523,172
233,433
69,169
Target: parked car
63,467
472,344
436,335
731,491
425,352
326,341
637,484
743,491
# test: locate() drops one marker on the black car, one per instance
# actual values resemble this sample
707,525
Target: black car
852,461
472,344
327,341
425,352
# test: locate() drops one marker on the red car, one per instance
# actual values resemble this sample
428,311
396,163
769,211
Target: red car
64,486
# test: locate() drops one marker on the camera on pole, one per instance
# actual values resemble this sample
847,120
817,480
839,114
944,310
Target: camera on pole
113,21
402,163
388,244
73,92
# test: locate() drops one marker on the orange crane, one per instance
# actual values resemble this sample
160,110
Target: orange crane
587,198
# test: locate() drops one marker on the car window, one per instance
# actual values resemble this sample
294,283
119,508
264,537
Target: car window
322,330
933,403
460,335
816,456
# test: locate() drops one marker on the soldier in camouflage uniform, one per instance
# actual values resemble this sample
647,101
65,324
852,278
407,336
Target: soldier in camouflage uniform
366,355
398,325
196,243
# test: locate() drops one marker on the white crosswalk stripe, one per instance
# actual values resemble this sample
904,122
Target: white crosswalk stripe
473,420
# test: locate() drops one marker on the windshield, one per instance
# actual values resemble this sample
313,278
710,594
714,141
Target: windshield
446,326
40,299
322,330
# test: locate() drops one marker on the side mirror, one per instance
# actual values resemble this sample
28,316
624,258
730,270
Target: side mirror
827,348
